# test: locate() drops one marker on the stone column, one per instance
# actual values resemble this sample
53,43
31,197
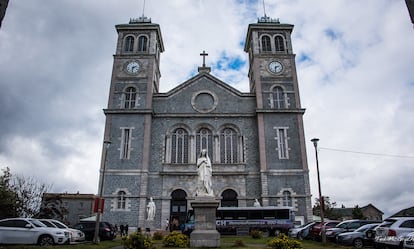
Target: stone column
205,233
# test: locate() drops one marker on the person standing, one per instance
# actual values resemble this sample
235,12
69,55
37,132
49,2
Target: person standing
167,224
121,229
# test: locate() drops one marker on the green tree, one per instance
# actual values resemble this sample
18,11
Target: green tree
357,213
329,208
8,197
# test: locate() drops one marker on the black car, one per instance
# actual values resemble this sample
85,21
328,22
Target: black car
106,230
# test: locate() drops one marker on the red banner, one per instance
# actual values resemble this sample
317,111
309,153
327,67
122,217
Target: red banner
96,205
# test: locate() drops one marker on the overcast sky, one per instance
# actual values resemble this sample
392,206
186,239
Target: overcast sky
355,63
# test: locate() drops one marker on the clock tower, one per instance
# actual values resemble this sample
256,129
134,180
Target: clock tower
273,80
135,80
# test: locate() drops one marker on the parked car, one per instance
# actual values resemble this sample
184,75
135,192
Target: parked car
393,231
301,232
409,241
30,231
356,238
346,226
106,230
75,235
315,231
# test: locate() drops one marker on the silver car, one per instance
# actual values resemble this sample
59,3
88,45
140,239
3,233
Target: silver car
301,232
75,235
30,231
355,238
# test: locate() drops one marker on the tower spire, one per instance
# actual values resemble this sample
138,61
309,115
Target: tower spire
264,9
142,18
143,9
265,18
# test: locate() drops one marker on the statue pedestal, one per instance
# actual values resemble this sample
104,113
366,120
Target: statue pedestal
205,233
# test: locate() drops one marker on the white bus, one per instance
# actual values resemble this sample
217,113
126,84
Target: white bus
241,220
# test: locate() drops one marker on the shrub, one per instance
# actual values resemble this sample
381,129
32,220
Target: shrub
283,242
158,235
238,243
176,239
137,241
256,234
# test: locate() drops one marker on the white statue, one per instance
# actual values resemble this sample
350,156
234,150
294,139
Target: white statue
256,203
205,171
151,210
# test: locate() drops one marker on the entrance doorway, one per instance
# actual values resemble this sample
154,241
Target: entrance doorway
178,212
229,198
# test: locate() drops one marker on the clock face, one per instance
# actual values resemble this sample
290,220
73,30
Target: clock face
275,67
132,67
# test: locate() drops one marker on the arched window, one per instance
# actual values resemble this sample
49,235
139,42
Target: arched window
121,200
229,198
266,46
179,146
129,44
204,140
278,98
178,210
130,98
287,198
279,43
142,43
229,146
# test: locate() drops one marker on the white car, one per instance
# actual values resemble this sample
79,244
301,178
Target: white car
30,231
392,232
75,235
300,232
409,241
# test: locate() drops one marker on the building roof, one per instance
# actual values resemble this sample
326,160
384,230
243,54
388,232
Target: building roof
408,212
410,6
348,211
69,195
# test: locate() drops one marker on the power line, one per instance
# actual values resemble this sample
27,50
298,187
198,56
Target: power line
366,153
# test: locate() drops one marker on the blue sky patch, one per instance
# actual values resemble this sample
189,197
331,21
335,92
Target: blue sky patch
334,35
226,62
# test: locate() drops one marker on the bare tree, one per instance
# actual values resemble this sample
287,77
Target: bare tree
29,194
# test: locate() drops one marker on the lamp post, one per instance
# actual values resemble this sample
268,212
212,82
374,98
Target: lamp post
321,204
100,191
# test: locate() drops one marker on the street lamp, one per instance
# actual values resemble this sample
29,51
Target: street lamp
321,204
100,192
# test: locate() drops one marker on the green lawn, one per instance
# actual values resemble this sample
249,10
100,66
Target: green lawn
227,242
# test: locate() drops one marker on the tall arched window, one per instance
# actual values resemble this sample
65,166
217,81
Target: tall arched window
229,146
204,140
266,46
130,98
278,97
229,198
279,43
142,43
129,44
121,200
287,198
179,146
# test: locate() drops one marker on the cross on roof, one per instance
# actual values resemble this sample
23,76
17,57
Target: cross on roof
204,54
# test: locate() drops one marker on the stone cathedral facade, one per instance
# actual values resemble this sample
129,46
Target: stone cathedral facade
255,139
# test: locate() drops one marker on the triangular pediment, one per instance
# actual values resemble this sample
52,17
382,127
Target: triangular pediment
203,94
